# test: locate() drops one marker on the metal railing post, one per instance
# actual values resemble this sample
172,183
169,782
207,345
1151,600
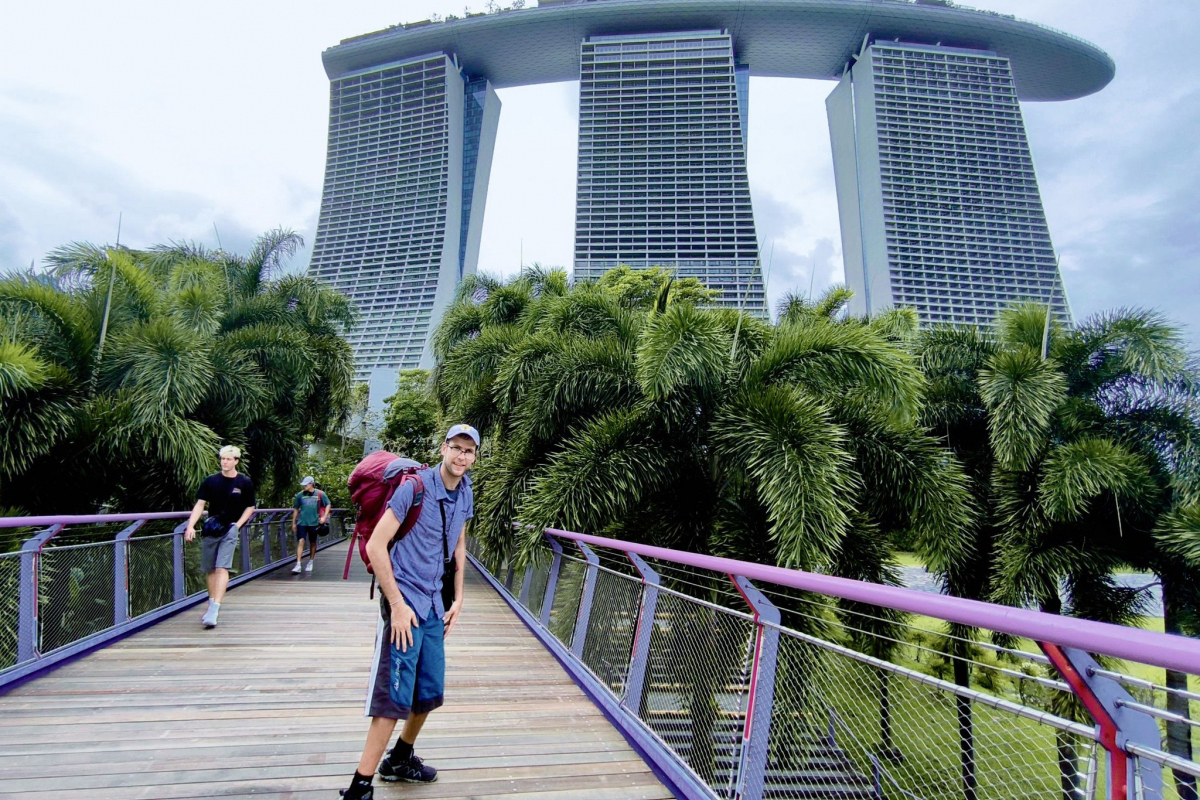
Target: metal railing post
511,576
755,738
640,657
551,581
266,530
27,601
525,584
179,590
1107,702
244,544
284,549
579,637
121,573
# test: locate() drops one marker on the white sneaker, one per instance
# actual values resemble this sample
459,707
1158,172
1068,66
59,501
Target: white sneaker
296,569
210,617
308,567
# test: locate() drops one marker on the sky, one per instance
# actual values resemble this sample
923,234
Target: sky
207,122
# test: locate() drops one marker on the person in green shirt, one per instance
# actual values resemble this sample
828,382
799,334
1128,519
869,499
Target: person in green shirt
309,511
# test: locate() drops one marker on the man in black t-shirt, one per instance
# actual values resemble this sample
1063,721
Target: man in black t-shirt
230,499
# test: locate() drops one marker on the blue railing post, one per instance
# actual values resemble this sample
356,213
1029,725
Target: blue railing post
579,637
121,573
753,767
27,600
640,658
551,581
526,583
266,529
244,545
179,587
284,527
511,576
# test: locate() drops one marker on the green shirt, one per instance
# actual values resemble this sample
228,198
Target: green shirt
310,505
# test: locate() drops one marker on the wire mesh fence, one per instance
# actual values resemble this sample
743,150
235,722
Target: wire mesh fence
255,541
151,565
75,593
538,578
849,727
10,577
565,609
1177,777
81,581
862,705
611,628
697,686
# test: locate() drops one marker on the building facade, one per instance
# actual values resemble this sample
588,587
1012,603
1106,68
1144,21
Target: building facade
662,162
410,147
937,197
939,203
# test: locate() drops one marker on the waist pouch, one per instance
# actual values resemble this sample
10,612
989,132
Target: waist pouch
214,527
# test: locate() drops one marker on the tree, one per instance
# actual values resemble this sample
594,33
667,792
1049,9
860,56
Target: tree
122,371
700,429
410,420
1080,449
639,288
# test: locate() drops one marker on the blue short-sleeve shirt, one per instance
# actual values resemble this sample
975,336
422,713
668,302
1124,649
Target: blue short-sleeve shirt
417,558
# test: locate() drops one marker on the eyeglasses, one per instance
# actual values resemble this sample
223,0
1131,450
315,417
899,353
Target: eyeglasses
458,451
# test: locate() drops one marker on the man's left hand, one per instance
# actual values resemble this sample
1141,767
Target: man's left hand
450,618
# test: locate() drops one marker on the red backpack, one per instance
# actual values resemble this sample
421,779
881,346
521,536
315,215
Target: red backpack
372,484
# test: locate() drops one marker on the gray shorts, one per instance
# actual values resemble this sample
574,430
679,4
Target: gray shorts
216,552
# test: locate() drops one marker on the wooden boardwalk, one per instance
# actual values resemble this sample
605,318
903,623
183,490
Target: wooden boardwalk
269,704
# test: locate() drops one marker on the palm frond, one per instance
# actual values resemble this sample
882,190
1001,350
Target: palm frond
1077,472
789,446
828,359
1021,392
683,349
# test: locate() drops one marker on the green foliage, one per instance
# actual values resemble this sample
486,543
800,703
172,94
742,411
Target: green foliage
201,348
410,421
331,470
641,288
623,408
1079,459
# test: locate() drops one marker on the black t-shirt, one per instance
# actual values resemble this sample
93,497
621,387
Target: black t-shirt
227,497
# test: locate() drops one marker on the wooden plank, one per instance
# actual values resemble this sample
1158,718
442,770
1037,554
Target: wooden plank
269,704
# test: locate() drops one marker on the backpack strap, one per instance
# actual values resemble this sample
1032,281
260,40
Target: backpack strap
409,521
414,510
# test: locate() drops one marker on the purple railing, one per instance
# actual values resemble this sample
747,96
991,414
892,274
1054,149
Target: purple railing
77,582
726,700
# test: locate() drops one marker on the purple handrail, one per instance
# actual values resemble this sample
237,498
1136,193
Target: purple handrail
1133,644
95,519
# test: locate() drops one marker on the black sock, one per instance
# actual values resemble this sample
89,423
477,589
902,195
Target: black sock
401,753
361,780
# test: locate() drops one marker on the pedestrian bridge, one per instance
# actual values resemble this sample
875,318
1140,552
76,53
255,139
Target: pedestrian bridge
269,704
605,669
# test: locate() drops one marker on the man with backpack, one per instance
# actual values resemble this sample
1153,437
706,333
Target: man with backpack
230,499
408,670
310,509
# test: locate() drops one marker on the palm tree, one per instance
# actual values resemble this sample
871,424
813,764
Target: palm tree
700,429
121,371
1073,441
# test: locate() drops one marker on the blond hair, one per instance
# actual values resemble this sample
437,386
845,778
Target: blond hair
231,450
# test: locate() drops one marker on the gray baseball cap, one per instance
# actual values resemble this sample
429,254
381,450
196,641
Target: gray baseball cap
463,430
307,480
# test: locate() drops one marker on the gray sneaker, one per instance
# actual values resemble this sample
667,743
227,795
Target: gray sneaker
209,620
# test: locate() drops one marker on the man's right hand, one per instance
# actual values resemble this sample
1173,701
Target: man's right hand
189,534
404,620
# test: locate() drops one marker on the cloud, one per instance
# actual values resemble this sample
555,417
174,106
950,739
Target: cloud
58,190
